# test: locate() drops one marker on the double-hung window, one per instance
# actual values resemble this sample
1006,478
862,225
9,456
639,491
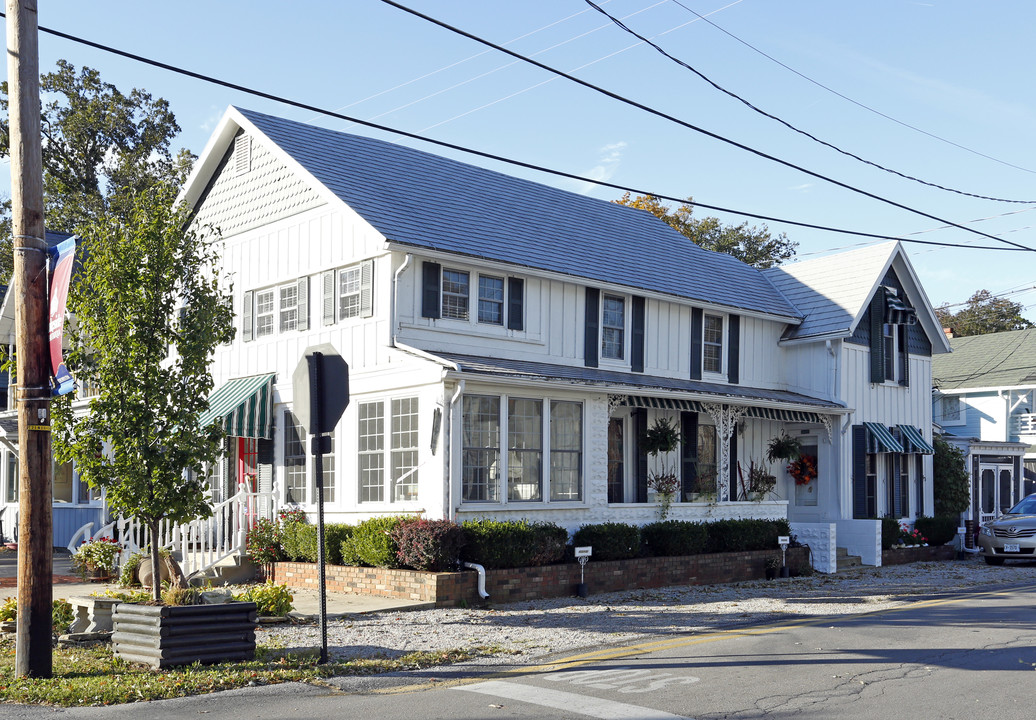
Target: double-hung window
455,293
348,292
491,299
613,327
264,309
279,309
712,343
543,457
297,486
289,307
388,444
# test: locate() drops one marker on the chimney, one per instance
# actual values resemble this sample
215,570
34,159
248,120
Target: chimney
948,331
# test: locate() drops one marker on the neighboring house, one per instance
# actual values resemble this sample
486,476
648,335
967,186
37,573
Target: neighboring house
510,343
985,402
74,502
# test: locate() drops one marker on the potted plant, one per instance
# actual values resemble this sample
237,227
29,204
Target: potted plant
773,565
97,559
783,447
759,482
662,438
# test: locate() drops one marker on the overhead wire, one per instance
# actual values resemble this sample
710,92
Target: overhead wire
499,158
695,128
662,51
857,103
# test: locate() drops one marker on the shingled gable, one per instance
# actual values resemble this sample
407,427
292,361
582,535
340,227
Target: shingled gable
833,292
422,200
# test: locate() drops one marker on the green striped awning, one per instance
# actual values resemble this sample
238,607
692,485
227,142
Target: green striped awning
915,441
642,401
883,438
793,416
789,416
245,406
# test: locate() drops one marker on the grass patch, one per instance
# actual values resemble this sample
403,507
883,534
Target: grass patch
94,676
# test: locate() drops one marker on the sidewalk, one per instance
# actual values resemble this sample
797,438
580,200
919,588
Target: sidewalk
307,602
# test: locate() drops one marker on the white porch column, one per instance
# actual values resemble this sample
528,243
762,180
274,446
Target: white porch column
726,418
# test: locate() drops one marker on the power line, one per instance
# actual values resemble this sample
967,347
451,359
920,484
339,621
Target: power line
695,128
499,158
620,24
857,103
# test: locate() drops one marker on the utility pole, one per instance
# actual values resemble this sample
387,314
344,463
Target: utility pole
33,656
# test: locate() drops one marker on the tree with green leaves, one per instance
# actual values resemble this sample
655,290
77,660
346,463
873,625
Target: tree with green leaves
755,246
97,143
150,307
951,483
983,313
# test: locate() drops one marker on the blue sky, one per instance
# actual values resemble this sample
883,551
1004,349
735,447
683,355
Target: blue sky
895,74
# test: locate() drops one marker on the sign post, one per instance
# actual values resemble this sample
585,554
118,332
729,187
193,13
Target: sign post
583,554
320,385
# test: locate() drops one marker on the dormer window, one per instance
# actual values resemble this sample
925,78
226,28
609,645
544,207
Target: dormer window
712,343
613,327
446,294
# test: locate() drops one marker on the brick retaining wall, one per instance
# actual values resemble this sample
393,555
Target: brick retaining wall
514,584
902,556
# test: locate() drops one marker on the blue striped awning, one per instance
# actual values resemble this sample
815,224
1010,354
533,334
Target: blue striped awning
882,438
245,406
898,312
915,441
642,401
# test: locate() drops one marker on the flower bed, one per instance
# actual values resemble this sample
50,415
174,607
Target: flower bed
449,589
902,556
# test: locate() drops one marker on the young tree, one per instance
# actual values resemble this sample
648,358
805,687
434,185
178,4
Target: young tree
149,309
97,143
951,484
755,246
983,313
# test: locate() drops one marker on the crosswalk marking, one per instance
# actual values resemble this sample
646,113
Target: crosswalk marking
570,702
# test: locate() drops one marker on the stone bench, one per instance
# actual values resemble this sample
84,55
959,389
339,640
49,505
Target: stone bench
92,614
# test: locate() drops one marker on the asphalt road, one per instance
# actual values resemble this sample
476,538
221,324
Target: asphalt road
961,656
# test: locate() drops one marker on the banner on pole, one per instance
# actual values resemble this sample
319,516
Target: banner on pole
62,257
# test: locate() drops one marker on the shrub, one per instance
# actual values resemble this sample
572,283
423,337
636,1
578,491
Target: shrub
271,600
303,542
889,532
512,543
428,544
742,535
181,596
62,614
674,537
610,541
264,541
371,542
291,530
939,530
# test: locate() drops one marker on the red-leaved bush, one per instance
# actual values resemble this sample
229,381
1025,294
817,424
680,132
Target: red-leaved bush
429,544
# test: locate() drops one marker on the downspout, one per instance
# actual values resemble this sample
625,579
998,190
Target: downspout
833,392
481,578
1007,412
395,300
452,508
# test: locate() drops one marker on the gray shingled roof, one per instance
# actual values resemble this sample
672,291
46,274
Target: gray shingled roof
610,378
831,291
1006,359
418,199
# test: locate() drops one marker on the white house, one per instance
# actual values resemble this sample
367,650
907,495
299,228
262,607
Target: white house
509,344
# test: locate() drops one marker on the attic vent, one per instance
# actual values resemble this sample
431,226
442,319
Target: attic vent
242,154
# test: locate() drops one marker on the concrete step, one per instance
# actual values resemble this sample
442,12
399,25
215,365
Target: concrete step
845,560
229,571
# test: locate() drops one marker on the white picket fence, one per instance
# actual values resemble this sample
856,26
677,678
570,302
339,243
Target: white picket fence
199,544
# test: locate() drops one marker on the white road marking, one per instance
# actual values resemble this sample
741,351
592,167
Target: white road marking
570,702
622,679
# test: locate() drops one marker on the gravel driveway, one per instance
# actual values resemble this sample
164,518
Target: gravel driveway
543,627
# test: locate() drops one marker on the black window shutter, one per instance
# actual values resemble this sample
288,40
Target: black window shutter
515,304
897,487
877,311
860,472
904,356
637,338
689,450
919,484
593,315
264,461
639,418
734,349
431,278
732,478
697,320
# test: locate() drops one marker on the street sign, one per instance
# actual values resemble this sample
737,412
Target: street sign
331,399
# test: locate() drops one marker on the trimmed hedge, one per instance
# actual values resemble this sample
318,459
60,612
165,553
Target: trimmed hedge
738,535
371,542
513,543
429,544
889,532
610,541
290,540
939,530
304,541
674,537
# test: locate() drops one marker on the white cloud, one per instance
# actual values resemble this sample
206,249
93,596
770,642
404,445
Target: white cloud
610,156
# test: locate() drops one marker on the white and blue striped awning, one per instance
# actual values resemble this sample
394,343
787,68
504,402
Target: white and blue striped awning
882,440
245,406
898,312
915,441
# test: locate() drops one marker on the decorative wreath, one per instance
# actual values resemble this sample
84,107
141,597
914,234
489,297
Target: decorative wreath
804,470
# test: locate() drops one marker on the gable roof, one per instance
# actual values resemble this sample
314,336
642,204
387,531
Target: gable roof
1005,359
421,200
833,292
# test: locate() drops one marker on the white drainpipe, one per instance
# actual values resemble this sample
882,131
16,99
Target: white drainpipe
395,291
448,421
481,578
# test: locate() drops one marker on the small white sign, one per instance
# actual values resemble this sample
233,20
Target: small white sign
962,530
585,551
783,540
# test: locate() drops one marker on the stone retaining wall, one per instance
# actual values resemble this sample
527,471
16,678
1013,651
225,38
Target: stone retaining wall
514,584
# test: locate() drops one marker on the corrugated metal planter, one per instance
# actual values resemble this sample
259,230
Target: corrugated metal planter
167,635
